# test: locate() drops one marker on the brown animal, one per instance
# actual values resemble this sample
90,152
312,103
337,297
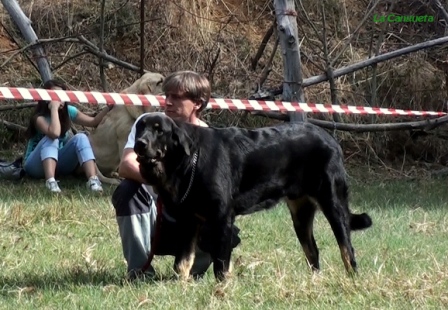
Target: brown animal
109,138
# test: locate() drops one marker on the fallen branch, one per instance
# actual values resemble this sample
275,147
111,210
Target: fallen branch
12,126
17,107
428,124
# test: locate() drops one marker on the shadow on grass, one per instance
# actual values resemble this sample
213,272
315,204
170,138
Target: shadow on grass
61,280
57,280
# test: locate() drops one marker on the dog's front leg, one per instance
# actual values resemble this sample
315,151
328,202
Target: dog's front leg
186,251
222,250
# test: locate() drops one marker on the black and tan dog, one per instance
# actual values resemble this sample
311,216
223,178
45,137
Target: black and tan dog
207,176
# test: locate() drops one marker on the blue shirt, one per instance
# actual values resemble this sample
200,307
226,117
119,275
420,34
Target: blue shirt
32,143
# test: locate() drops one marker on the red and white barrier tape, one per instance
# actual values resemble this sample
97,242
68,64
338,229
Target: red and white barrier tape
36,94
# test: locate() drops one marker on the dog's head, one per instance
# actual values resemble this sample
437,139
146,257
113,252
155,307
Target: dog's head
148,83
157,138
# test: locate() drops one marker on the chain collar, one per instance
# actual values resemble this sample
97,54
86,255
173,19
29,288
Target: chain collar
195,161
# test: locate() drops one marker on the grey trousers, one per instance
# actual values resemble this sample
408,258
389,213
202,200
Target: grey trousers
136,215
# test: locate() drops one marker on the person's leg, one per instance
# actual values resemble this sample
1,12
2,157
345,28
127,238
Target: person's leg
45,151
136,217
78,150
42,162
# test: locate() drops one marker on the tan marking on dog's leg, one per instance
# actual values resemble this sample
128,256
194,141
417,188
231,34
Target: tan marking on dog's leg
228,273
346,259
184,266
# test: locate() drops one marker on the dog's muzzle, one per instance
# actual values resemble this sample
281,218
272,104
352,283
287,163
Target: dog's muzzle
144,154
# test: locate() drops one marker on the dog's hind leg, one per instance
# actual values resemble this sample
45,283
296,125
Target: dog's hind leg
332,199
302,212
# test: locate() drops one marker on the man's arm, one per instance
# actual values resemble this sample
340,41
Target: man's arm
129,167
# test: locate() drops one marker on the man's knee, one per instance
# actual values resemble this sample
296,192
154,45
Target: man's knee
131,197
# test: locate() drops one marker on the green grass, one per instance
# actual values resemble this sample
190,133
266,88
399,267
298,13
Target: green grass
64,252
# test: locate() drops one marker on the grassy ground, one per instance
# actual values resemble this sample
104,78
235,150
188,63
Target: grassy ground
63,252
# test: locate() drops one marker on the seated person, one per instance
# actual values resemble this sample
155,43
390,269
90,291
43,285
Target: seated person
51,151
187,94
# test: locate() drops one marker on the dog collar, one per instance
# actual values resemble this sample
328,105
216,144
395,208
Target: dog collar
195,161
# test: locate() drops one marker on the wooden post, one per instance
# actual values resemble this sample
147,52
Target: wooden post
286,16
24,24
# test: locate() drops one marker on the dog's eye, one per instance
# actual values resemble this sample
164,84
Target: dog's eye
158,130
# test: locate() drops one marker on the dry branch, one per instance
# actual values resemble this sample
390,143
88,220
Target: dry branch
17,107
93,49
13,126
262,46
352,35
268,67
428,124
142,37
329,69
374,60
89,47
442,10
101,48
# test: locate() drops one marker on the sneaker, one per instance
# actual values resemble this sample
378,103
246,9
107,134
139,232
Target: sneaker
94,184
53,186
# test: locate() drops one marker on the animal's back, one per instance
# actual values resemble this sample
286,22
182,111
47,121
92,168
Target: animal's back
279,161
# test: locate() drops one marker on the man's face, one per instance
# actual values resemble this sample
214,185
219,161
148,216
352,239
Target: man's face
179,106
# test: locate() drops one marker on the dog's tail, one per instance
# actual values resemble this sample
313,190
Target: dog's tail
104,179
357,221
360,221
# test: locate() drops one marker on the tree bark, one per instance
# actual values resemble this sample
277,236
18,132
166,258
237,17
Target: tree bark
24,24
286,17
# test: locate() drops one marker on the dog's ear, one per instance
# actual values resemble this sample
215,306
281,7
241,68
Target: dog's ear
181,138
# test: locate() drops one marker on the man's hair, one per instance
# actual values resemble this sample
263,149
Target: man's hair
193,85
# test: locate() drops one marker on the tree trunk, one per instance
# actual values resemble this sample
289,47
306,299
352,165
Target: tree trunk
24,24
286,16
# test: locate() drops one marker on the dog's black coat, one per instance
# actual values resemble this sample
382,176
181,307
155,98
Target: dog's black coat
242,171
